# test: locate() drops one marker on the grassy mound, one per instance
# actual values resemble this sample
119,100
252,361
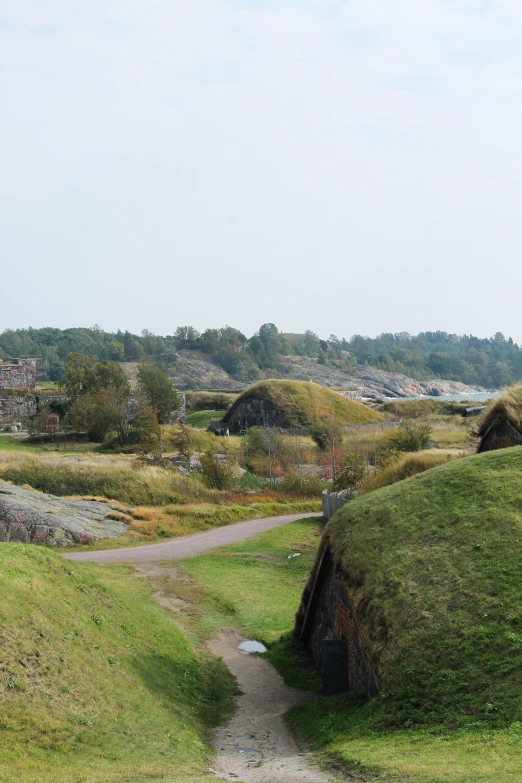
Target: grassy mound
98,682
434,569
303,404
406,465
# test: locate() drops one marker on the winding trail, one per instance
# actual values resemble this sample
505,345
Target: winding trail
187,546
255,746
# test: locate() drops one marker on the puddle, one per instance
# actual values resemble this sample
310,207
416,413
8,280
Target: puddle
251,646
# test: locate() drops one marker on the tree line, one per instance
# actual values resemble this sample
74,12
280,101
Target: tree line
490,362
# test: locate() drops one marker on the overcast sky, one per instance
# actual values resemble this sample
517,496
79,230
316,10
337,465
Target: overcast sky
343,166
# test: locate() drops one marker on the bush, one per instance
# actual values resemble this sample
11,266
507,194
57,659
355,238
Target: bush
411,437
217,471
307,486
351,472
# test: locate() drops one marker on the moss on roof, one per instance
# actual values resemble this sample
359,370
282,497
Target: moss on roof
433,566
507,406
303,404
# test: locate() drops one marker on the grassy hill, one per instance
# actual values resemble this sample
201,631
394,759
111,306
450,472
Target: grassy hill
434,569
98,682
302,404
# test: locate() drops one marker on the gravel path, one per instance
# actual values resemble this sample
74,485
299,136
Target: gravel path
187,546
255,746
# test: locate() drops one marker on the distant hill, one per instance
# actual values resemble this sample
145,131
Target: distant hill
299,404
236,361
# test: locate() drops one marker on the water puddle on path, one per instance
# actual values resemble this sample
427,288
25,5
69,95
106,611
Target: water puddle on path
251,647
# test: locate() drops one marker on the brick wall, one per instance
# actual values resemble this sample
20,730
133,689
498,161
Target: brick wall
329,614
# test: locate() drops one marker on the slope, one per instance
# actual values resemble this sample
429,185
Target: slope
99,684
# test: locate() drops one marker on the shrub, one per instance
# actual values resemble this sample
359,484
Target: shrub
217,471
351,472
306,486
411,437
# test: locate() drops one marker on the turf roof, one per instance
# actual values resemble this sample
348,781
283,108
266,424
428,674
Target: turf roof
303,404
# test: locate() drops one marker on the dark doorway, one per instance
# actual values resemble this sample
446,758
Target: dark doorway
335,666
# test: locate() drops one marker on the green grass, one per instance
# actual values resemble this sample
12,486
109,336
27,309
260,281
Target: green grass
254,588
347,731
337,729
434,570
62,446
98,683
201,419
433,567
303,404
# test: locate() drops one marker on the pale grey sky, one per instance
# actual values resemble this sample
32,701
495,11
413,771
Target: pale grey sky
344,166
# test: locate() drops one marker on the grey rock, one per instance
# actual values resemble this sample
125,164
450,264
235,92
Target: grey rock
28,516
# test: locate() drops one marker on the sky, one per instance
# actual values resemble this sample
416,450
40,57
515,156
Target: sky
345,166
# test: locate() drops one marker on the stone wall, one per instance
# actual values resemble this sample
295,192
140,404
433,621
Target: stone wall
18,374
326,614
254,412
21,407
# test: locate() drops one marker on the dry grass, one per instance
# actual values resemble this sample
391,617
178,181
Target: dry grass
405,466
155,502
507,406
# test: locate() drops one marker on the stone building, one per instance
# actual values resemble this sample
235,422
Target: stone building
326,624
18,374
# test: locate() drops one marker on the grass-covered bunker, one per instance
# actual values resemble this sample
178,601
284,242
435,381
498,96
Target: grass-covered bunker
501,425
423,579
294,404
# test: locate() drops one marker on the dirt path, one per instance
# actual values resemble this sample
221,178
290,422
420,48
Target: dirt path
255,746
187,546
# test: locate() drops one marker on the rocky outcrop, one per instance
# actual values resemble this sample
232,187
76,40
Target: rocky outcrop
29,516
363,381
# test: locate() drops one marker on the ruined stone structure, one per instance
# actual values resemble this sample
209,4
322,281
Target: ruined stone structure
327,625
22,406
18,374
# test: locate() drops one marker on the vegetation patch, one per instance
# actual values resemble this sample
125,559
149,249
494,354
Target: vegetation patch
202,419
403,467
98,682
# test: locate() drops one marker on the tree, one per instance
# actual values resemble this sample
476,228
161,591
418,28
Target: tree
86,375
159,391
266,442
182,442
328,437
116,350
108,411
46,423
